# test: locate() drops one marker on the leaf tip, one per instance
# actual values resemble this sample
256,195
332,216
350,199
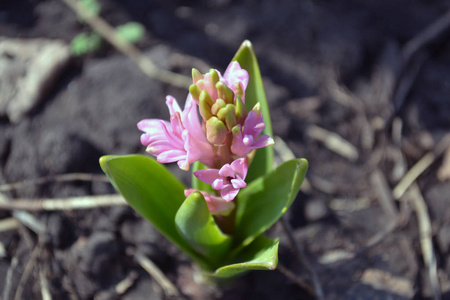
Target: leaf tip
303,163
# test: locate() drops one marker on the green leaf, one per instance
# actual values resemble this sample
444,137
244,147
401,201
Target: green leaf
197,226
131,32
245,56
92,7
152,191
261,254
85,43
266,199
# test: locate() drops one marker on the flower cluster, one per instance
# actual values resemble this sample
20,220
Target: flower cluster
222,140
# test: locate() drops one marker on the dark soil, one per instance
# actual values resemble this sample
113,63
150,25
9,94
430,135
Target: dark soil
339,65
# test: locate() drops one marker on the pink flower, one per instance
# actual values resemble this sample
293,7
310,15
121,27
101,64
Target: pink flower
228,180
182,140
216,205
247,138
236,75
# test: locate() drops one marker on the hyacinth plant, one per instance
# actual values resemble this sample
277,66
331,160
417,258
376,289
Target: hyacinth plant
223,135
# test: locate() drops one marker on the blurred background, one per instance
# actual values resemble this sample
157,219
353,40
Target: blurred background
359,88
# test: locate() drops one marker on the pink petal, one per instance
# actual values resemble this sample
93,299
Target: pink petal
170,156
238,183
219,184
172,104
229,193
226,171
263,141
235,74
240,167
207,175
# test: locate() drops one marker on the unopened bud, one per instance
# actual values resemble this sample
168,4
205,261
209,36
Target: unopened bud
218,105
257,108
241,110
224,92
228,115
236,130
195,92
214,76
216,131
205,97
204,106
237,88
196,75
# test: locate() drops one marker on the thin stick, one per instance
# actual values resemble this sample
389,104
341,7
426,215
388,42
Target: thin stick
8,224
426,244
169,288
318,291
379,181
143,62
424,163
72,203
295,279
126,283
25,218
426,36
9,277
27,272
333,142
45,291
54,178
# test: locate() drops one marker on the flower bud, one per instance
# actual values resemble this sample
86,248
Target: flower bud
196,75
224,92
216,131
237,88
204,96
214,76
241,110
257,109
218,105
204,105
195,92
227,115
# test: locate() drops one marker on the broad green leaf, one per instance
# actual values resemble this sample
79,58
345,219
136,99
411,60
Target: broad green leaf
245,56
266,199
261,254
152,191
195,223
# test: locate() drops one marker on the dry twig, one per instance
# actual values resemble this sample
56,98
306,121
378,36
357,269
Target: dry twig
8,224
318,291
425,37
169,288
423,164
333,142
7,290
54,178
72,203
27,271
425,233
123,286
45,290
295,279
